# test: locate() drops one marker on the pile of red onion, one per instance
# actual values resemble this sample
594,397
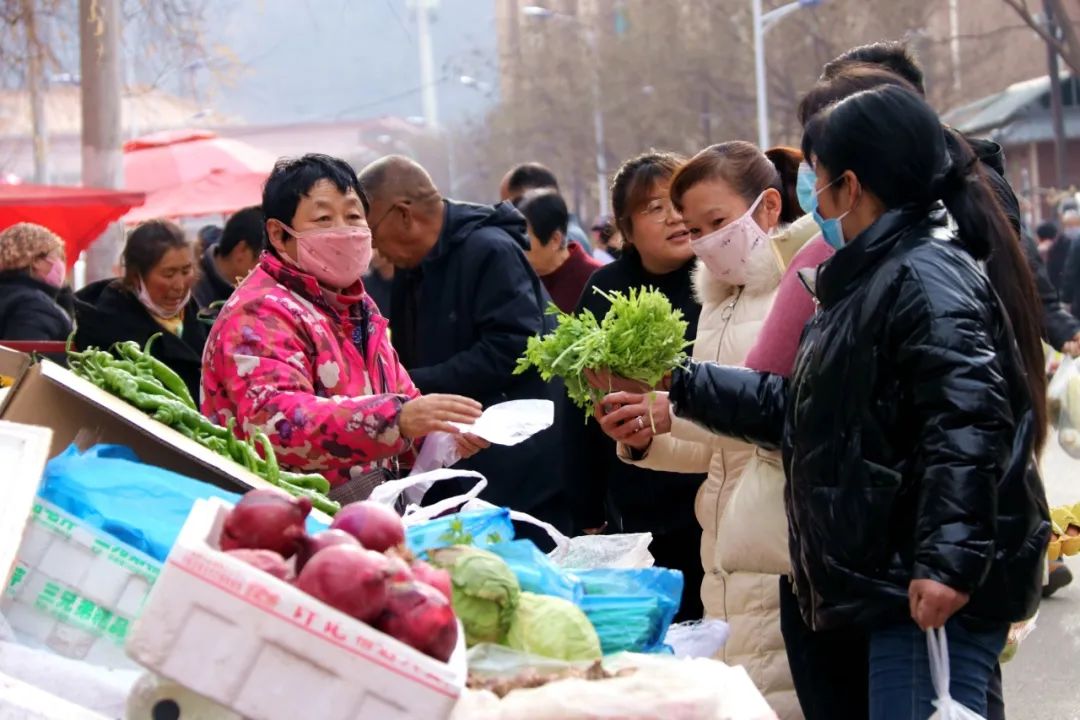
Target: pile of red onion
359,566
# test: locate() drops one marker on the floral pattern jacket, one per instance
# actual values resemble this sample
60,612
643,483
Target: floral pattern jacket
316,372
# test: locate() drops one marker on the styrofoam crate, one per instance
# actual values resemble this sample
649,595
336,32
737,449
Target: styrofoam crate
267,650
76,589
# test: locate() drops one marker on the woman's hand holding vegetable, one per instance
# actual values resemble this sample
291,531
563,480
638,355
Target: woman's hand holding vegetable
434,413
635,418
604,380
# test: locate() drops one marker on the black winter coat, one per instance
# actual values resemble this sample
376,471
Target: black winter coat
906,430
460,321
603,488
106,312
29,309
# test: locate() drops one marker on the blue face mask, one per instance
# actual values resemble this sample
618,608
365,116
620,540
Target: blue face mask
831,230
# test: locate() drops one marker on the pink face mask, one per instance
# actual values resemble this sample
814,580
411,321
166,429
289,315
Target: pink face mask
336,257
56,274
726,251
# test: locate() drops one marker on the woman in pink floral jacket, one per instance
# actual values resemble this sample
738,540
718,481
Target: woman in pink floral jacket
301,352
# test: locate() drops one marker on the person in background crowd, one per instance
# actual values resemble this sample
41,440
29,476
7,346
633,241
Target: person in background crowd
301,352
734,199
947,461
379,282
1054,251
227,262
1070,273
209,236
153,296
1060,328
465,304
607,492
534,176
563,267
32,271
607,242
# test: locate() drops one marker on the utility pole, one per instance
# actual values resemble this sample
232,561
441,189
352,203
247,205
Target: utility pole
428,96
1056,105
102,156
954,44
35,84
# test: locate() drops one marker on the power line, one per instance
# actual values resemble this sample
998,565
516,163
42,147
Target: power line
400,20
390,98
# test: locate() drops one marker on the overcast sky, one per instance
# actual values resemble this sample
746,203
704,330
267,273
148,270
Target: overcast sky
333,59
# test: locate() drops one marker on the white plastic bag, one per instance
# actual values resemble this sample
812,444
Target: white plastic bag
662,688
697,638
623,550
1064,395
947,709
414,487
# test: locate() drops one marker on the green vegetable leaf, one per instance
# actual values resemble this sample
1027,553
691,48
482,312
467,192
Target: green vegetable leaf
642,337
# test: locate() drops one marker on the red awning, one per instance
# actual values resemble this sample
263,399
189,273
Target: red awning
78,215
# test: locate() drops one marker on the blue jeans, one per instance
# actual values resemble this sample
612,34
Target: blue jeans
900,686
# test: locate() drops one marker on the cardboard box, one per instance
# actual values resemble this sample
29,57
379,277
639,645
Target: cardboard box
51,396
12,365
269,651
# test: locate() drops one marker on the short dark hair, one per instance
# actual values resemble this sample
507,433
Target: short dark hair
530,176
246,226
894,55
147,244
546,212
209,235
1047,231
847,80
292,178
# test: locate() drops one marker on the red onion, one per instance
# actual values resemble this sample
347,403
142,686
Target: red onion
436,578
266,560
376,526
419,616
320,541
266,520
348,578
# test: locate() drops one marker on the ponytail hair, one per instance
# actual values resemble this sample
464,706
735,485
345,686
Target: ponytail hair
748,171
895,144
986,232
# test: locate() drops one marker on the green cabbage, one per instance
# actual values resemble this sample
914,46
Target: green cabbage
552,627
484,589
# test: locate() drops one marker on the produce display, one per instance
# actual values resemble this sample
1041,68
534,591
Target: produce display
552,627
641,337
135,376
385,588
534,678
484,591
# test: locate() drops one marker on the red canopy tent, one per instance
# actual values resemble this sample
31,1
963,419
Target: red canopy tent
193,172
78,215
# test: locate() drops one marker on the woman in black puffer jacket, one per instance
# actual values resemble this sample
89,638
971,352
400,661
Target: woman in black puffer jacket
911,424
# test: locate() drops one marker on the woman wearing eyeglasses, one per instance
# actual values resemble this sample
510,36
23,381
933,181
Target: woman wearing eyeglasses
656,253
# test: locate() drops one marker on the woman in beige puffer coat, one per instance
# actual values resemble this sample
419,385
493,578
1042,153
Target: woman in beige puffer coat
741,588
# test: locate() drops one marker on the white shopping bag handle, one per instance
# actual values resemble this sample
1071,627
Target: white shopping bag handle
388,492
937,645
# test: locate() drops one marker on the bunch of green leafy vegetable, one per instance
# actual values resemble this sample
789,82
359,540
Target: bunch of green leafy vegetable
641,337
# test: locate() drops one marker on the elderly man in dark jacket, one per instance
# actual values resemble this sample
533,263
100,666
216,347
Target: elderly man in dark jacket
465,302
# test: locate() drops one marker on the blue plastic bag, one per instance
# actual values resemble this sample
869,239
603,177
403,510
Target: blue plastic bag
141,505
536,573
631,609
480,528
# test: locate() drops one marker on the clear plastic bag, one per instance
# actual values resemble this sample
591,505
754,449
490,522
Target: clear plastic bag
947,709
1064,395
627,550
